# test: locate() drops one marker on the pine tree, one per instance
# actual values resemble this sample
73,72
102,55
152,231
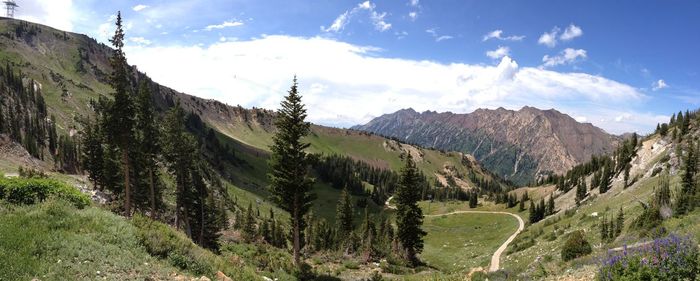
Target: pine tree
409,217
249,231
344,215
121,115
473,199
522,202
685,202
550,205
685,124
604,230
178,150
605,180
147,139
290,182
93,154
533,212
628,166
581,191
206,215
369,237
620,223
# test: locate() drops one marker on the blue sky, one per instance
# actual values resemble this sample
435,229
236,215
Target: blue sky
621,65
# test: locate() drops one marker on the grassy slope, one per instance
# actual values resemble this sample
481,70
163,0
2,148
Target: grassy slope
48,52
54,241
550,234
250,141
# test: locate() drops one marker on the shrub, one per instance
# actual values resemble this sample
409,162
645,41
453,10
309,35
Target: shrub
667,258
576,246
32,191
166,243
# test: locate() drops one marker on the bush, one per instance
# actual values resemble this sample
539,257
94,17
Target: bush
166,243
576,246
32,191
667,258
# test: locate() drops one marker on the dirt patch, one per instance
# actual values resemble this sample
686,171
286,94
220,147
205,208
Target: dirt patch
416,153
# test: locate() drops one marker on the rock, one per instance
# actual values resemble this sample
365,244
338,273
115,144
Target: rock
204,278
220,276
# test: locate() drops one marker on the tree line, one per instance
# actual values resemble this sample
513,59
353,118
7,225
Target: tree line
127,145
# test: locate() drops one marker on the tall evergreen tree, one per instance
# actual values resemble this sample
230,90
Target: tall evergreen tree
289,177
93,153
605,179
581,191
369,237
532,212
686,197
620,222
409,217
178,150
550,205
249,230
344,215
147,139
121,115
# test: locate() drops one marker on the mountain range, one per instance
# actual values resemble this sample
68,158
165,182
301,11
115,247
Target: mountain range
520,146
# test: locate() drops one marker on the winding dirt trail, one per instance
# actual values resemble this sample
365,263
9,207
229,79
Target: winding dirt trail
496,258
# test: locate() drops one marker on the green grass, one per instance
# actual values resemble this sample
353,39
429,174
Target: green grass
460,242
55,241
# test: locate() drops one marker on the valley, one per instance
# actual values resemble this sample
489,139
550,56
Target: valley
105,174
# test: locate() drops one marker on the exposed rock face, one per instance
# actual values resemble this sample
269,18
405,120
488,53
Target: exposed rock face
517,145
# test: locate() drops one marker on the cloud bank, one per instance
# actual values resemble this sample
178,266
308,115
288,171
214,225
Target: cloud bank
345,84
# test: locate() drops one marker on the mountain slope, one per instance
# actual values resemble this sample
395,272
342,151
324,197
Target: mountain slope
517,145
71,69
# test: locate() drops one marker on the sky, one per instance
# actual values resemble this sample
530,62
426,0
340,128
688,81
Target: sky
623,66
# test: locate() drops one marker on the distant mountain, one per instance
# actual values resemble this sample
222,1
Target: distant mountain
517,145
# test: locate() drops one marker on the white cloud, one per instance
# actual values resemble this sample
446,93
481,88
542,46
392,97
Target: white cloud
414,3
223,25
438,37
623,117
343,19
413,15
58,14
658,85
258,72
571,32
498,53
140,40
443,37
567,56
549,39
338,24
581,119
139,7
497,34
106,29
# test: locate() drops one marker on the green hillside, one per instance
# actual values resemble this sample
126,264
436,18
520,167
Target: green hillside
70,72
